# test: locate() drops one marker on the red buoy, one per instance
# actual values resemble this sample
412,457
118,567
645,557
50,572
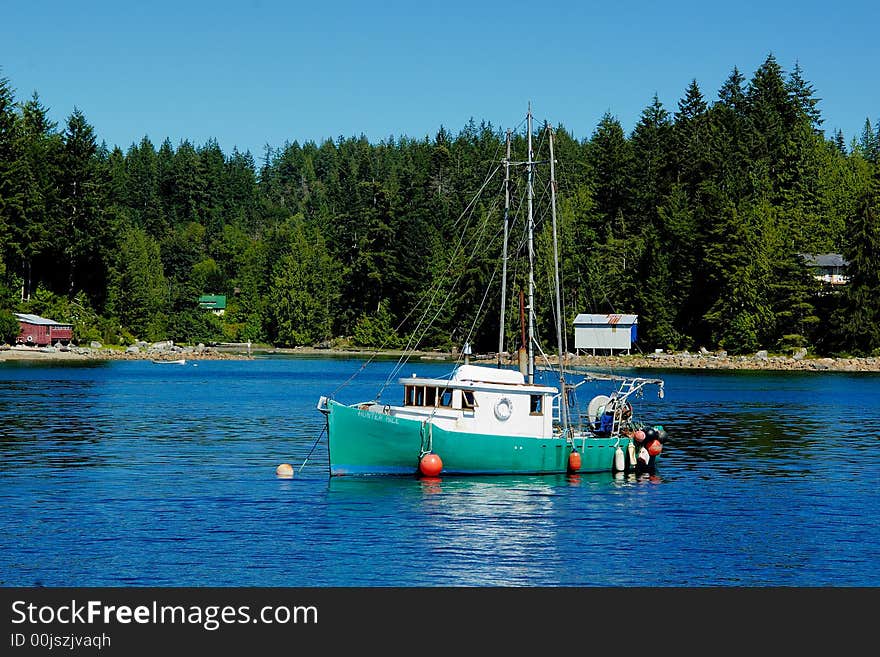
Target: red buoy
639,436
430,465
655,447
574,461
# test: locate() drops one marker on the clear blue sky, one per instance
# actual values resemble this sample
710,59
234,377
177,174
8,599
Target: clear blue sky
257,72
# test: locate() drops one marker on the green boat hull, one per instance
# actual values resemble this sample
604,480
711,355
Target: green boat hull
362,442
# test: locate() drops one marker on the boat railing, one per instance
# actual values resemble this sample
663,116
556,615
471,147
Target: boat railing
619,404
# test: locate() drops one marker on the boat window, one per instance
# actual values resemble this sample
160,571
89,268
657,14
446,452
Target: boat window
420,396
467,399
536,406
446,397
409,396
430,396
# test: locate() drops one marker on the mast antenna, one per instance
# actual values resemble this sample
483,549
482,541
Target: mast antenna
564,418
530,165
504,260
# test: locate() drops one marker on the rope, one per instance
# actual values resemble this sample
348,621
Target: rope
430,443
320,435
424,324
427,299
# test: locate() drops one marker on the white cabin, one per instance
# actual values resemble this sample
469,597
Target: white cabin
479,399
605,333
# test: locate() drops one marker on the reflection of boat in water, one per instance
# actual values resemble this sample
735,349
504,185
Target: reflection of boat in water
496,420
483,489
179,361
487,530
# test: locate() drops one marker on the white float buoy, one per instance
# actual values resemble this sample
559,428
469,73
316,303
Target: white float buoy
619,464
631,453
284,471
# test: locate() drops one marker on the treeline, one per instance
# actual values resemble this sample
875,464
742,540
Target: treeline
696,221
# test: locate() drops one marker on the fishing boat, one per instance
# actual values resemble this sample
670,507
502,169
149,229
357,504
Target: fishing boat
498,419
178,361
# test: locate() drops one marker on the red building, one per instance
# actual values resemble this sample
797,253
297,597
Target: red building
41,332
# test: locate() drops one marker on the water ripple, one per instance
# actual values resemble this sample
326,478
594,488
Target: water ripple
124,474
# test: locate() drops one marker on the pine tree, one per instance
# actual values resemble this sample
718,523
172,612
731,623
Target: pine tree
656,307
84,222
691,132
803,98
137,291
772,115
166,185
731,136
840,142
652,171
304,289
611,159
739,270
858,320
143,188
732,92
680,237
186,185
792,291
11,172
37,232
869,142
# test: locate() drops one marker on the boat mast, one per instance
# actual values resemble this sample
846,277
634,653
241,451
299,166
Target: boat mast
504,260
530,165
560,324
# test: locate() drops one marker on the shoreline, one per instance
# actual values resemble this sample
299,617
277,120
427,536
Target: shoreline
683,360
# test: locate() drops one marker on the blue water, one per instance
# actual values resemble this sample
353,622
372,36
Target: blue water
127,473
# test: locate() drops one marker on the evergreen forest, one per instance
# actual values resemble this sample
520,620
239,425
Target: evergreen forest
697,220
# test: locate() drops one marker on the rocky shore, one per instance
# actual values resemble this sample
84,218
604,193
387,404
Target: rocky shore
716,362
139,351
704,360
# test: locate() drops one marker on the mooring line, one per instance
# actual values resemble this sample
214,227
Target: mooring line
320,435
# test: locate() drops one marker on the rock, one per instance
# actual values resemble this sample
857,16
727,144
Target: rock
704,351
165,344
799,354
200,347
94,344
133,349
761,355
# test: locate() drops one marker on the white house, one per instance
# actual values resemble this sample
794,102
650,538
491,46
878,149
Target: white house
605,333
827,267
